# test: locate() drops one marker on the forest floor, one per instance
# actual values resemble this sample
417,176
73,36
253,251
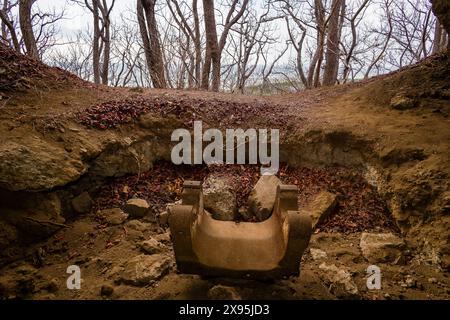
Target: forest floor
54,106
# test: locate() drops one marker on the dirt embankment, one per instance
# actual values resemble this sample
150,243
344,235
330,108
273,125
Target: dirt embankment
60,136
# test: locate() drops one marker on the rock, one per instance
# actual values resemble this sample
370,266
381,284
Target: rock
82,203
317,254
320,207
52,286
26,269
163,238
220,292
106,290
136,208
32,163
33,215
262,198
163,218
381,247
410,282
151,246
8,234
143,269
402,102
138,225
245,214
432,280
339,281
219,198
113,216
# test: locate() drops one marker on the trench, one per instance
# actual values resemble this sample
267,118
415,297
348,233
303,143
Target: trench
336,162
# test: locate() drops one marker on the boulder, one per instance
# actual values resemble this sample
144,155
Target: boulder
82,203
339,281
136,208
262,198
113,216
106,290
151,246
381,247
34,164
402,102
320,207
219,198
163,218
221,292
143,269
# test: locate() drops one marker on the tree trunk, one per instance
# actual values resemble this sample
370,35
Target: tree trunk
212,57
106,46
333,37
26,28
441,9
95,43
320,15
150,38
8,25
197,43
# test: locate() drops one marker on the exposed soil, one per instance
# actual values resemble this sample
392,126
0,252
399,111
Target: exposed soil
390,168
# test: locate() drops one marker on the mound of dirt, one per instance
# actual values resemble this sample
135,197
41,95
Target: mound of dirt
18,71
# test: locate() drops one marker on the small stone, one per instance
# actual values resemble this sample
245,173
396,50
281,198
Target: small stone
151,246
410,282
402,102
82,203
381,247
317,254
432,280
263,196
53,286
26,269
163,218
245,214
113,216
136,208
339,281
220,292
106,290
143,269
163,238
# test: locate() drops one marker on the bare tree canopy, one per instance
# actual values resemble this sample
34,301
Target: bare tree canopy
232,45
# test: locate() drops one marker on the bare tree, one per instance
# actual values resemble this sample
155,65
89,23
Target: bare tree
150,39
214,47
192,32
101,40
